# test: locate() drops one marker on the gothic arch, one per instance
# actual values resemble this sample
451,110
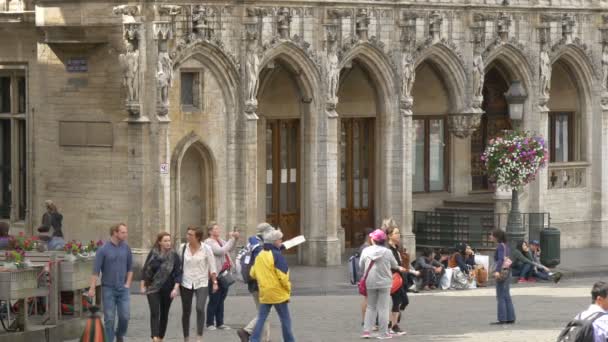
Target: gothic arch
222,66
299,64
380,70
451,66
581,66
191,141
516,64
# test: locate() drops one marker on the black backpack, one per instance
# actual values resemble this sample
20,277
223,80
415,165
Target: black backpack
579,330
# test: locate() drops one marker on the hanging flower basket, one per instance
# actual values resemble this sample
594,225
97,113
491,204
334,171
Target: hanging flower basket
514,159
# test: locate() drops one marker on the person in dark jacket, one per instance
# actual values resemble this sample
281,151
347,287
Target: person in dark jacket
430,269
505,309
463,258
161,277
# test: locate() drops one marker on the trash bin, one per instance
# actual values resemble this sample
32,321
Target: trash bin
550,247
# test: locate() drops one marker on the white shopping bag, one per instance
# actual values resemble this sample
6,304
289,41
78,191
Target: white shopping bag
483,260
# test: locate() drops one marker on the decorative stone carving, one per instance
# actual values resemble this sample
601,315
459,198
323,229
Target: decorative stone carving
568,23
126,10
362,24
605,67
331,67
170,10
604,62
251,73
545,76
408,76
162,30
201,26
435,21
478,78
463,124
130,60
503,24
164,79
283,22
130,66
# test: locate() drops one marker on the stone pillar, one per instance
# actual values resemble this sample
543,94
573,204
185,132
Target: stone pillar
249,174
460,165
321,209
601,238
405,158
134,62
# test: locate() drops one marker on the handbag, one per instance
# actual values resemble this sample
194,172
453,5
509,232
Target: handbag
362,285
225,279
397,283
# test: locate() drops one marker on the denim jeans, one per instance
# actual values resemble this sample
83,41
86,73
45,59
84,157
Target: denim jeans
251,325
115,300
524,271
283,311
506,312
215,307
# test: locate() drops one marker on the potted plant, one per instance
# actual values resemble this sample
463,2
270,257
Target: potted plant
514,160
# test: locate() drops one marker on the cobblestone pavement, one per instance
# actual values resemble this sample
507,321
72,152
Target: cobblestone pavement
541,310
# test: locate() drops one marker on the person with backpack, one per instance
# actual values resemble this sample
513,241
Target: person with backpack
244,262
161,277
502,274
590,325
272,274
198,270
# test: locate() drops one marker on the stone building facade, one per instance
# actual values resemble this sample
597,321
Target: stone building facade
320,117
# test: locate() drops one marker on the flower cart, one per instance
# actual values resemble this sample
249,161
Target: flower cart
19,284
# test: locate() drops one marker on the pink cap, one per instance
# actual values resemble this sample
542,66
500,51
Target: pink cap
377,235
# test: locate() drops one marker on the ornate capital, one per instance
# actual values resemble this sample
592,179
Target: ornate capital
132,31
463,124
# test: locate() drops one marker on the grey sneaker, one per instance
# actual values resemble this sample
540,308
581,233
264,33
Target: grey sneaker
211,327
223,327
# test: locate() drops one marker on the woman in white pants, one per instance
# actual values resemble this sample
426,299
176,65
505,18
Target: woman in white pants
377,261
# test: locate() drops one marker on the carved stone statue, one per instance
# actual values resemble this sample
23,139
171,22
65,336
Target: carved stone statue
545,73
252,72
200,23
164,77
332,68
362,24
478,74
605,67
283,21
409,74
130,66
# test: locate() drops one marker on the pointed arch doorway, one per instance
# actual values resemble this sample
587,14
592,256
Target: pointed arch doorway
193,184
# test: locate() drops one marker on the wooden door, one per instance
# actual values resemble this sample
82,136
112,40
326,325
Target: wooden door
356,178
283,176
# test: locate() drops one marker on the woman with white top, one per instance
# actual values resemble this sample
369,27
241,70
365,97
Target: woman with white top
199,272
221,250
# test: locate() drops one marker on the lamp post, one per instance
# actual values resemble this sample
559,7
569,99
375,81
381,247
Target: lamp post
516,97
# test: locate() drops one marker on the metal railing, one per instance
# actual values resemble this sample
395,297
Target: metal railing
446,228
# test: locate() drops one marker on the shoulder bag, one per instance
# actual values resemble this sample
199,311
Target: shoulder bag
362,285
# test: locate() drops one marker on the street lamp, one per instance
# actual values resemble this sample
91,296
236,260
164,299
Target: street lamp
516,97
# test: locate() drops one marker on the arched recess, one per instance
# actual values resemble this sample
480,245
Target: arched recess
570,106
219,63
513,65
193,184
451,68
367,107
286,99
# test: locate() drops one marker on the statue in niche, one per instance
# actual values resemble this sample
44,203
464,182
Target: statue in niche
409,73
201,23
332,66
164,76
283,21
130,66
478,74
545,73
605,67
252,71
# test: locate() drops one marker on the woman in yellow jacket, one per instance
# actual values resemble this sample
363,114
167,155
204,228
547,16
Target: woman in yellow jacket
271,272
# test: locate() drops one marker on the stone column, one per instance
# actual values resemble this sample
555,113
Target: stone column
405,159
601,238
135,73
321,209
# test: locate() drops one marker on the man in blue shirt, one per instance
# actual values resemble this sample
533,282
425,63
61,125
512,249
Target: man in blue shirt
114,260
